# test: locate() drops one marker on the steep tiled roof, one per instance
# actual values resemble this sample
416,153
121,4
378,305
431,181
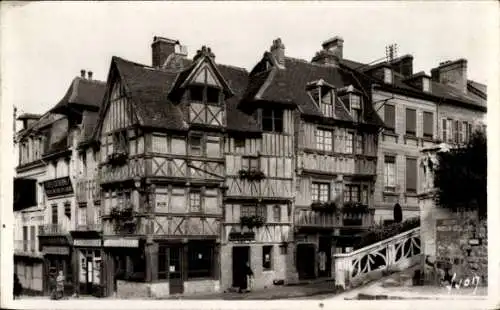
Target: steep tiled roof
82,92
288,86
149,89
438,90
89,122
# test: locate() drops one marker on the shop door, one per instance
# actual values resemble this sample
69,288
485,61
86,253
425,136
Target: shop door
306,261
241,256
89,274
175,269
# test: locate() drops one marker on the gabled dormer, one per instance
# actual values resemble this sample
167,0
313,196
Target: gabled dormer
203,89
421,81
323,95
352,100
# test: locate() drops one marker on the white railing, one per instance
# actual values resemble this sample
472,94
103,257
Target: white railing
392,254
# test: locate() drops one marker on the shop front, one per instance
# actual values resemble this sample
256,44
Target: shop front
88,266
57,258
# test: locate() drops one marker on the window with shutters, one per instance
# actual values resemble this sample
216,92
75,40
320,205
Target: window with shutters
411,175
456,133
324,140
272,120
390,173
444,130
411,122
390,117
465,131
320,192
449,125
428,125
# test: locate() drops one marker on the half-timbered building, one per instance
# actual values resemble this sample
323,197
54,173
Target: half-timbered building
328,146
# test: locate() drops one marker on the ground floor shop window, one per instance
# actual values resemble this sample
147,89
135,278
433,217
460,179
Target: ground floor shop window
200,260
130,265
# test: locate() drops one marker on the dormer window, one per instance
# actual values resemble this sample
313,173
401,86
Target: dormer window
323,95
387,76
355,103
204,94
426,84
272,120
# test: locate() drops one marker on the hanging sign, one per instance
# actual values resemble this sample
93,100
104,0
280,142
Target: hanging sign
57,187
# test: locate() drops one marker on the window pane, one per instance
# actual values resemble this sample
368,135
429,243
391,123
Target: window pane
159,144
359,144
348,143
320,136
278,121
389,173
315,192
195,202
267,251
196,93
428,124
277,214
195,146
355,102
328,141
212,95
213,147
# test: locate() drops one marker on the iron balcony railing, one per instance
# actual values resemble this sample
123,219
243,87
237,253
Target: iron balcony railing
52,229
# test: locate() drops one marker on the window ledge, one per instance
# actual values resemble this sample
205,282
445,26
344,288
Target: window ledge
386,193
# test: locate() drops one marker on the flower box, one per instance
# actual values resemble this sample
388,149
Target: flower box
252,221
328,206
251,175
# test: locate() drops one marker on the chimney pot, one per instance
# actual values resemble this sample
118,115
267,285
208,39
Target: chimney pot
278,51
334,45
82,73
90,75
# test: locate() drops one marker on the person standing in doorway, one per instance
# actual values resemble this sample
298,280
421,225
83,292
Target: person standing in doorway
249,274
60,285
246,282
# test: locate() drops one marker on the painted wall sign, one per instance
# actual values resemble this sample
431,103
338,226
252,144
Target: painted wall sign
122,243
57,187
87,242
55,250
243,236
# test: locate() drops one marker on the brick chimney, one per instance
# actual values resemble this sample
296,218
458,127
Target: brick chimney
452,73
90,75
278,51
403,65
331,53
82,74
161,49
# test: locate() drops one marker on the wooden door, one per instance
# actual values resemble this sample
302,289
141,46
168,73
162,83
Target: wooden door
241,256
175,258
306,261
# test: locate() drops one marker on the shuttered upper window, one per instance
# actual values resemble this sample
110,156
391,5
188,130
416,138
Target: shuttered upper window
428,124
390,117
411,175
411,122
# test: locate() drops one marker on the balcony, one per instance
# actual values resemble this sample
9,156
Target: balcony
87,190
25,247
89,227
335,164
52,230
308,218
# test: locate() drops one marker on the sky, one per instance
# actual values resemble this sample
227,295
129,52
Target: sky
45,45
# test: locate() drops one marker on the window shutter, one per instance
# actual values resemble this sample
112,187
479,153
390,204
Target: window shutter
455,132
411,121
411,175
428,124
389,116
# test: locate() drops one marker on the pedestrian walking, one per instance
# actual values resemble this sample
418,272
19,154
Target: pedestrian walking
18,288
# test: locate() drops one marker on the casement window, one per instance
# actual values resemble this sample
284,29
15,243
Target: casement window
326,104
213,146
411,175
351,193
195,201
359,144
204,94
239,145
272,120
250,163
387,76
195,146
355,107
390,117
267,257
428,125
320,192
55,216
390,173
349,140
252,210
411,122
324,140
200,263
161,199
277,214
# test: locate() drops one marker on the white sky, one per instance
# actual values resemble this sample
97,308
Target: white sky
44,45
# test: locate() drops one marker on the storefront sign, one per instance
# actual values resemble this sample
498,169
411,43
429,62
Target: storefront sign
57,187
122,243
55,250
87,242
242,236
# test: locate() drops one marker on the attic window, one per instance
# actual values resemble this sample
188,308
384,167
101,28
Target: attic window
355,107
426,84
205,94
387,76
324,97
